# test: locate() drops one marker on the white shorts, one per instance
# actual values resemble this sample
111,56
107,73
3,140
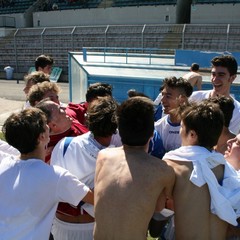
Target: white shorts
72,231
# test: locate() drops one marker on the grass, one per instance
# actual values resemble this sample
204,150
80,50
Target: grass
150,238
1,136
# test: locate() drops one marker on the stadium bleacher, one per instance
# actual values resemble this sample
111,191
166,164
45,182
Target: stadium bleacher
20,46
77,4
216,1
16,6
207,37
126,3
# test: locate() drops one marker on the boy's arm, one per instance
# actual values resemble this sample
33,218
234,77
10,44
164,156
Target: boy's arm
89,198
170,180
99,163
161,202
162,214
199,83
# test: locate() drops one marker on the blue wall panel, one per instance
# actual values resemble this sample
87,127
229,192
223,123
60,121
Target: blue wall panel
203,58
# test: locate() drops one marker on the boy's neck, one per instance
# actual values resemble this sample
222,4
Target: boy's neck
174,119
104,141
222,141
36,154
215,94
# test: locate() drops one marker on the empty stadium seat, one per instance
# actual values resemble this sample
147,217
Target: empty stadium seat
77,4
126,3
16,6
216,1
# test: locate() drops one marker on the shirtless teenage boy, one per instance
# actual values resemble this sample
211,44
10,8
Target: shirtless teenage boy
130,184
193,77
198,171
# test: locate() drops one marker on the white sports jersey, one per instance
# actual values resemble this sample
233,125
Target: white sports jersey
30,191
80,157
169,133
8,149
234,126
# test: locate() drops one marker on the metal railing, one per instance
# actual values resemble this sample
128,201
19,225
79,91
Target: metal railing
19,47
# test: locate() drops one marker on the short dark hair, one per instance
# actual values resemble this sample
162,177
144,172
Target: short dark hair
206,119
226,61
101,117
42,61
98,90
178,83
226,104
134,93
136,121
195,67
21,130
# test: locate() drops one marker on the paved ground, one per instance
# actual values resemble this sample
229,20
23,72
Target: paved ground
12,97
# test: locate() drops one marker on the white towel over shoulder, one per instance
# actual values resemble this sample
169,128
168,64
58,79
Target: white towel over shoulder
225,200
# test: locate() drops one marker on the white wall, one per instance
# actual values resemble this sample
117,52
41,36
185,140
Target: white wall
215,13
19,19
200,14
22,20
105,16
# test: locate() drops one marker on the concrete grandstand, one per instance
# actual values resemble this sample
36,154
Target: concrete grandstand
141,24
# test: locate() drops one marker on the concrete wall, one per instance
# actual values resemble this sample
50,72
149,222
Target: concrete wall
200,14
19,19
106,16
215,13
22,20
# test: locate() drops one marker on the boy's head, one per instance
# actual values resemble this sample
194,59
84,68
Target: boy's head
98,90
202,122
136,121
226,104
34,78
22,130
101,117
226,61
195,67
57,119
223,73
44,90
175,92
44,63
134,93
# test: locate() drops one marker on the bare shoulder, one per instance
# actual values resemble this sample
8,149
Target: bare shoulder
108,153
179,167
162,167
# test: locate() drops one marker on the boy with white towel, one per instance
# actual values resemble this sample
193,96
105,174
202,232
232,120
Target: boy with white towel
203,204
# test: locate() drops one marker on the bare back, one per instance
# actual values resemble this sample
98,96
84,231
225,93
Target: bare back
128,186
195,79
193,219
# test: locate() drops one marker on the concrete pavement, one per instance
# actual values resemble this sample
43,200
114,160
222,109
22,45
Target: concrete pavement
12,97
